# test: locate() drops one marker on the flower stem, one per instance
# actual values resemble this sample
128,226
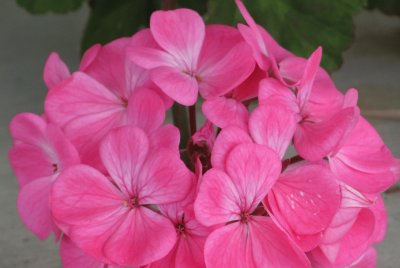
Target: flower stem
192,119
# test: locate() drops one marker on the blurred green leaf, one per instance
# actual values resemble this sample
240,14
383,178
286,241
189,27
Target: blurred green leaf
199,5
299,25
390,7
56,6
112,19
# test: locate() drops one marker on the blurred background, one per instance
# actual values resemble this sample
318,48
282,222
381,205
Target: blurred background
371,63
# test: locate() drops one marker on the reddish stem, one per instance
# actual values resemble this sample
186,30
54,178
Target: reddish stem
292,160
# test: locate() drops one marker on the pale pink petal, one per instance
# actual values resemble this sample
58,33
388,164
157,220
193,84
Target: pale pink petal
145,109
164,178
224,112
381,220
74,257
150,58
306,197
28,128
89,56
355,242
86,111
181,33
253,170
226,140
123,153
142,237
181,87
228,247
231,70
315,140
55,71
33,207
273,126
271,247
218,199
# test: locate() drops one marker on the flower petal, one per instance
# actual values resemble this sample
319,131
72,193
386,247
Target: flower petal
33,207
181,87
180,32
224,112
253,169
55,71
218,199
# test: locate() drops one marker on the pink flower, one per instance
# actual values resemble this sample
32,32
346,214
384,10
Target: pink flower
111,92
228,198
39,153
363,161
115,219
192,57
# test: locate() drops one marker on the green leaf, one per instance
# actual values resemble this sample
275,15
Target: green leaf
390,7
299,25
44,6
199,5
112,19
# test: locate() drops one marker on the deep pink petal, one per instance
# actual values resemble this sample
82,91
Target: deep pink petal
367,260
314,140
224,112
221,77
123,153
381,220
55,71
253,170
218,200
227,139
249,88
33,207
146,109
181,33
306,197
181,87
273,126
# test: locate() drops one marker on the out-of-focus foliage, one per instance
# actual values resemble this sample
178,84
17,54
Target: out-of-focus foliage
112,19
299,25
44,6
390,7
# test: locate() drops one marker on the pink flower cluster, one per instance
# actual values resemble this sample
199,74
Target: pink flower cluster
102,171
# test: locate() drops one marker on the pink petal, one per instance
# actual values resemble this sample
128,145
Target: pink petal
123,153
89,56
367,260
181,33
179,86
273,126
33,207
221,77
167,136
55,71
149,58
86,111
74,257
249,88
253,170
381,220
218,199
314,140
146,109
273,92
306,197
224,112
28,128
271,247
163,179
228,247
227,139
142,237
